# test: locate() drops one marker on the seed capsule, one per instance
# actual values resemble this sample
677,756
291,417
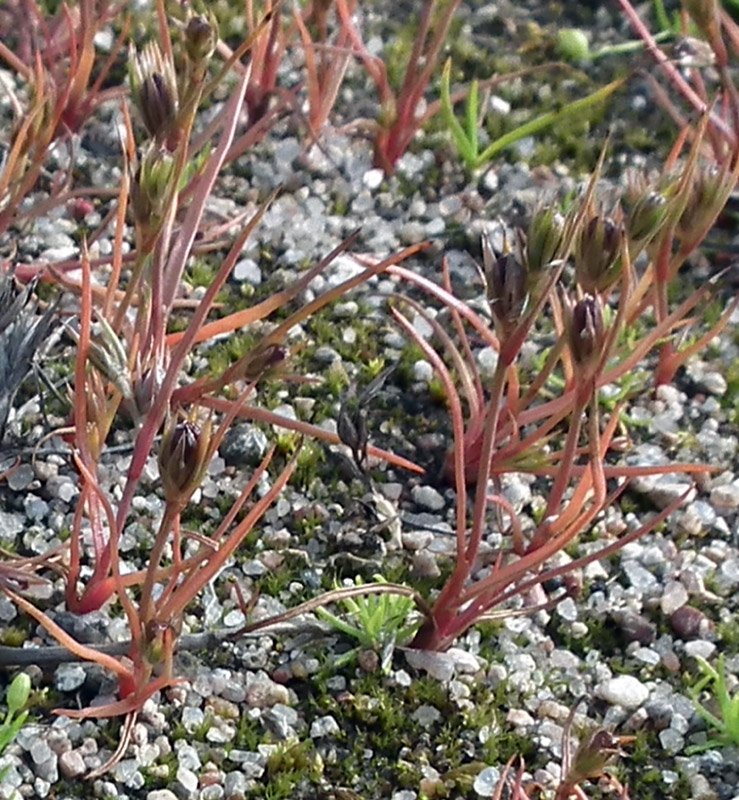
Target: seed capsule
201,37
586,332
598,254
183,459
506,289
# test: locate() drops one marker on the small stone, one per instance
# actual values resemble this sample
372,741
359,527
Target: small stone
11,525
127,773
424,565
674,596
264,692
520,718
71,764
244,445
423,371
690,623
567,609
427,497
660,714
187,757
647,656
635,627
641,579
727,575
161,794
404,794
672,742
247,270
416,540
714,383
253,765
234,785
281,720
324,726
212,792
373,178
623,690
700,789
192,718
20,478
679,723
725,498
486,782
187,780
700,648
40,751
426,716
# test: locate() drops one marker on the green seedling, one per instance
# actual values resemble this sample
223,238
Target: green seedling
466,136
376,621
726,726
16,697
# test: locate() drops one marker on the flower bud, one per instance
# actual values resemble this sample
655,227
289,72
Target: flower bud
18,693
585,331
183,459
262,360
201,37
352,429
152,188
598,254
544,239
109,357
507,290
645,218
154,90
707,195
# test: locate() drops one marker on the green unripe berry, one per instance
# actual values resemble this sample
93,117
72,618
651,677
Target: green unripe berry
572,45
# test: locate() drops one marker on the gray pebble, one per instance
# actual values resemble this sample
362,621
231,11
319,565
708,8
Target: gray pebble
623,690
725,498
69,677
247,270
234,785
192,718
127,772
426,716
281,720
324,726
672,742
71,764
21,478
244,445
187,757
187,781
11,525
641,579
423,371
161,794
427,497
486,782
700,647
674,596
